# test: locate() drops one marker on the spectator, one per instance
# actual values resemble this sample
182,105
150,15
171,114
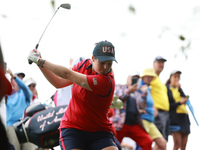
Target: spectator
16,103
85,124
160,97
178,112
21,75
31,83
129,124
5,89
146,107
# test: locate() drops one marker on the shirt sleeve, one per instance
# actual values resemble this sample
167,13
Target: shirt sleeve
100,84
26,90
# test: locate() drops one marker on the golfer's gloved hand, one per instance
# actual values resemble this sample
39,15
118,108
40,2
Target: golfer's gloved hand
34,57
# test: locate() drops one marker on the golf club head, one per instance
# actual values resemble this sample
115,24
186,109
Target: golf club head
66,6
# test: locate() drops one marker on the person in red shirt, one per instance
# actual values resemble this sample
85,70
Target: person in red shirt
5,89
85,124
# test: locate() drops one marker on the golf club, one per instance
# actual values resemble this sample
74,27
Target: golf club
66,6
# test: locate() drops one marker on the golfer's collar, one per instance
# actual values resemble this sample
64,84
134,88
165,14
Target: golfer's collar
89,67
91,72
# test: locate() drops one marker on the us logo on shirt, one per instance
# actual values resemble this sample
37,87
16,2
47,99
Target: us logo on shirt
95,81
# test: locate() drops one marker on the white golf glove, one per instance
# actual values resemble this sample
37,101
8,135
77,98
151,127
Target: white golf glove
34,57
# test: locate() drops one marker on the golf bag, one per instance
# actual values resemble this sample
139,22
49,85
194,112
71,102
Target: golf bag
40,125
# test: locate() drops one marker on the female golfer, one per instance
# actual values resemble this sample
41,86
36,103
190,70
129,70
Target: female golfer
85,124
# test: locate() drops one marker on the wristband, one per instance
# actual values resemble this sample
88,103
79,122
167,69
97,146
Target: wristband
41,63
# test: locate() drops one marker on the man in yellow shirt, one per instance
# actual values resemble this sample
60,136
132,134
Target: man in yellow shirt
161,102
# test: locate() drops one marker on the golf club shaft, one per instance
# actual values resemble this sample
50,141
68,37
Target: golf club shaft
66,6
37,45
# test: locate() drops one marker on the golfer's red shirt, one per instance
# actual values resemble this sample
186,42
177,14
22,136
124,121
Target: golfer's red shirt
88,110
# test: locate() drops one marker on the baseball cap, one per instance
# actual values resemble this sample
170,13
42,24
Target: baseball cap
175,71
20,73
148,72
135,73
159,58
30,81
104,51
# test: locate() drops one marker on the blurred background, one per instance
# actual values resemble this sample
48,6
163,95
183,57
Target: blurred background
140,30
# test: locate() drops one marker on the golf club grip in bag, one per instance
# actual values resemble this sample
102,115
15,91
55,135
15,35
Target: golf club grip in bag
41,128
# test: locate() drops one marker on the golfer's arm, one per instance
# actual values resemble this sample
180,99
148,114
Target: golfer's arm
55,80
57,73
